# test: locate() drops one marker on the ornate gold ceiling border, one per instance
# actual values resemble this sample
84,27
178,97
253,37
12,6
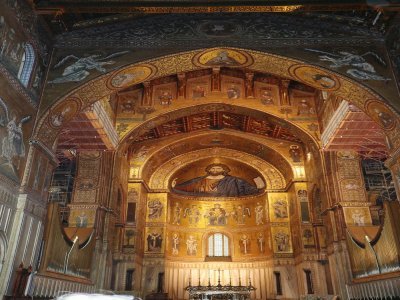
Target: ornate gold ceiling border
203,8
96,89
272,176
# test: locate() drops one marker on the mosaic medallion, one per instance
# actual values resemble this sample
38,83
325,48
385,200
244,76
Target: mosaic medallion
381,114
315,77
222,58
63,112
130,76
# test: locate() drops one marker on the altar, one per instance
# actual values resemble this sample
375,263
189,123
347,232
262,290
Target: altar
219,291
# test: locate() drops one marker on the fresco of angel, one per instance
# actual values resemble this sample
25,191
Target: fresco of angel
12,145
79,69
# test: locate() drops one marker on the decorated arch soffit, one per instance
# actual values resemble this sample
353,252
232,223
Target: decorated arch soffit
161,177
149,156
103,86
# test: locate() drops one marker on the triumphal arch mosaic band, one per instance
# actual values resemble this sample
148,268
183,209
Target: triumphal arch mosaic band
172,151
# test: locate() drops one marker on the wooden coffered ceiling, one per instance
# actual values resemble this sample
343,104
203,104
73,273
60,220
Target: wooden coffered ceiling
219,121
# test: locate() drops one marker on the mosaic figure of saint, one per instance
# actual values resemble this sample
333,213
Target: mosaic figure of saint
282,241
222,59
240,213
193,213
176,214
216,215
191,245
358,217
198,92
259,210
154,241
81,220
175,244
245,244
216,183
261,242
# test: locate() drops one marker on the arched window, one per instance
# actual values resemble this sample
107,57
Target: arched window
218,245
26,66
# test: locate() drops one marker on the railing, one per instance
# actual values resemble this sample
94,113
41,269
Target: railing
379,289
43,286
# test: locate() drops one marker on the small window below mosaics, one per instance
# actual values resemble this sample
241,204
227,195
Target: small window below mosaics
278,283
218,247
129,279
310,288
131,213
26,65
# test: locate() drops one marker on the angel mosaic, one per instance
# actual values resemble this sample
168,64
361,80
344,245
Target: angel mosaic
358,66
12,145
79,69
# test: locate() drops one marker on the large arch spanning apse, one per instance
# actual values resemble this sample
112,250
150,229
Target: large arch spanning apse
266,149
99,88
162,175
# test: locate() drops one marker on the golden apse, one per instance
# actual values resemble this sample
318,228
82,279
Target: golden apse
191,150
222,176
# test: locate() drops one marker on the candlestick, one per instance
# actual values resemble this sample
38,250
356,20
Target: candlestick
190,277
199,278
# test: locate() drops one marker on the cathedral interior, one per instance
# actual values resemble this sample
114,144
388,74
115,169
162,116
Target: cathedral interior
200,150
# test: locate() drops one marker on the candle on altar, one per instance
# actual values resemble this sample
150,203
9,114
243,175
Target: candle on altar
199,276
